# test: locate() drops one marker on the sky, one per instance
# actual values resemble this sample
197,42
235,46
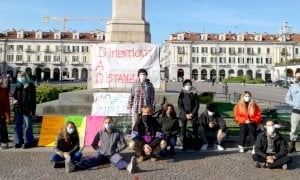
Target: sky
166,17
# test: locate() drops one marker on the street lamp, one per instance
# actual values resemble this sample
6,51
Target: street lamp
284,33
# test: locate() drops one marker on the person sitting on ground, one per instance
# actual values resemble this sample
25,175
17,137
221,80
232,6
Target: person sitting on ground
66,147
271,149
147,136
112,143
247,116
212,126
170,127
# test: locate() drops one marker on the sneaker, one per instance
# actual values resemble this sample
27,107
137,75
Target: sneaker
260,165
241,149
253,150
4,146
140,159
204,147
284,167
153,158
220,147
69,166
132,165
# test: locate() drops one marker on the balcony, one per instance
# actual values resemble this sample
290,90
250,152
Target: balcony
29,50
47,51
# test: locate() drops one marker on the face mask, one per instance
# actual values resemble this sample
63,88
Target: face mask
247,99
143,78
210,113
270,129
70,130
188,87
108,126
22,80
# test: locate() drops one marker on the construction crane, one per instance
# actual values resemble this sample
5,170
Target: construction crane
65,19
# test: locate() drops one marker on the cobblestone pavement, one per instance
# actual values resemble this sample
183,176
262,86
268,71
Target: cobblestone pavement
35,164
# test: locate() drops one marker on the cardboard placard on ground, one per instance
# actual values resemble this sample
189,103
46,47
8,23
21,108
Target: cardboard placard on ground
93,125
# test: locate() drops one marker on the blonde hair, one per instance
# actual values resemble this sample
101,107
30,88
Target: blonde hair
242,105
63,131
147,108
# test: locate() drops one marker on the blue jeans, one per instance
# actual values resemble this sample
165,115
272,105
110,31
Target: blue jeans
98,159
23,135
74,157
171,140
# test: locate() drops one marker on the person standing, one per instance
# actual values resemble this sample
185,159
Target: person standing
271,149
188,104
247,116
212,126
4,112
24,108
142,94
293,99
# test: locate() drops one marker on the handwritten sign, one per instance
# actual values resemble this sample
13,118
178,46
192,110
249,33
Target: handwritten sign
110,104
116,65
93,125
80,123
50,128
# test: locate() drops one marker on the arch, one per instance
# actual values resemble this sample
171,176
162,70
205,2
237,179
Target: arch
250,74
38,74
222,74
84,74
240,72
56,74
180,75
258,74
203,74
290,73
46,74
213,73
268,75
231,73
195,74
75,73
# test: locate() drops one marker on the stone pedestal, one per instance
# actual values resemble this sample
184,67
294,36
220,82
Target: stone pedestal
128,22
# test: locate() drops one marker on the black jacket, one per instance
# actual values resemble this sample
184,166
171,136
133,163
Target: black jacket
26,97
150,127
169,125
280,145
188,102
204,120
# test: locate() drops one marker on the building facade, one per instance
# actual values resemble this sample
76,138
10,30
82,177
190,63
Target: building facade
203,56
47,56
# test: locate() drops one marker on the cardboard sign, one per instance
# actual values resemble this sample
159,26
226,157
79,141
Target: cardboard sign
116,65
110,104
50,128
93,125
80,123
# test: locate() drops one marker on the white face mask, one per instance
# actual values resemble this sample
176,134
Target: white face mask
22,79
270,129
210,113
70,130
142,78
187,87
247,98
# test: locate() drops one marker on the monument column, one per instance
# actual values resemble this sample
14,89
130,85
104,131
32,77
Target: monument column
128,22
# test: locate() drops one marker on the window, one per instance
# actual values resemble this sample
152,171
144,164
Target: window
28,58
10,58
38,58
47,58
10,47
203,60
222,50
66,59
57,48
47,50
84,59
268,50
231,60
56,58
204,49
258,50
213,60
180,60
19,58
250,51
231,50
240,50
296,51
195,60
222,60
241,60
66,48
84,49
195,49
75,48
249,60
259,61
180,50
38,48
19,47
29,48
75,59
268,60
